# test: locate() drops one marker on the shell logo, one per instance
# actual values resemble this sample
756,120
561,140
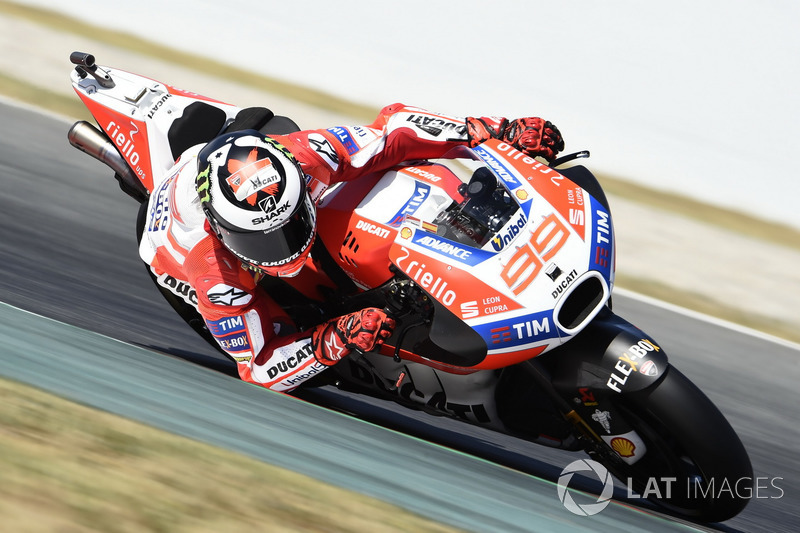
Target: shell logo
406,233
521,194
623,446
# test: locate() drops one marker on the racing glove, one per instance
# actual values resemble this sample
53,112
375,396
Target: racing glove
362,330
533,136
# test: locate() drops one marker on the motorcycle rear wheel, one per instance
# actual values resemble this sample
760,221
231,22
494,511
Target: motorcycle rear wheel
688,439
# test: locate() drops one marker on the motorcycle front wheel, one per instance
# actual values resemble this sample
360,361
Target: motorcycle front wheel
695,464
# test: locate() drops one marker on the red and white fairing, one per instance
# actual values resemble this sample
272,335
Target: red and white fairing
512,289
137,116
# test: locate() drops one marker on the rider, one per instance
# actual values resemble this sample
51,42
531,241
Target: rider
244,205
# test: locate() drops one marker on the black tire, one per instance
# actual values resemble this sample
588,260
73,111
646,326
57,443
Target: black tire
687,438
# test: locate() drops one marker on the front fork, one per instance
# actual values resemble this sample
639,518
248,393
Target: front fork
611,357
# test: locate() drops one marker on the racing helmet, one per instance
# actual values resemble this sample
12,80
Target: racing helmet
254,195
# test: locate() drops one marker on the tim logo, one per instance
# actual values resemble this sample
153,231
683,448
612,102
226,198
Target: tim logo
343,134
421,192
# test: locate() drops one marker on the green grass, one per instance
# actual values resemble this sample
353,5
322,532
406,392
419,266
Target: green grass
66,467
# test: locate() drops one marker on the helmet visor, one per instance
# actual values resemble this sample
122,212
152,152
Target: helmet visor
277,246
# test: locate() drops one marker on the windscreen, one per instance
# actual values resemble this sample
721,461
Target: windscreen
486,206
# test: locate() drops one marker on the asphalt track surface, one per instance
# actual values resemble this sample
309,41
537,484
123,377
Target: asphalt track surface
69,253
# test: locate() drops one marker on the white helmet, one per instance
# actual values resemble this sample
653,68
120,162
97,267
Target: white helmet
254,195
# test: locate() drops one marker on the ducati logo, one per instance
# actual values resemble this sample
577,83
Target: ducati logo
249,178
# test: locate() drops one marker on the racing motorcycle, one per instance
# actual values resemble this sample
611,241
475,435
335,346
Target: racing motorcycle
498,269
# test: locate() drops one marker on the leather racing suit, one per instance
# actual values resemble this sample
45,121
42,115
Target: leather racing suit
186,257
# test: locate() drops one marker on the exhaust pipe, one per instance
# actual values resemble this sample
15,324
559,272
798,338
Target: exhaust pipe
86,138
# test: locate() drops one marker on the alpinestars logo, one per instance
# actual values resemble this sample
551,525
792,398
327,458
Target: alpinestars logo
324,148
222,294
334,348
